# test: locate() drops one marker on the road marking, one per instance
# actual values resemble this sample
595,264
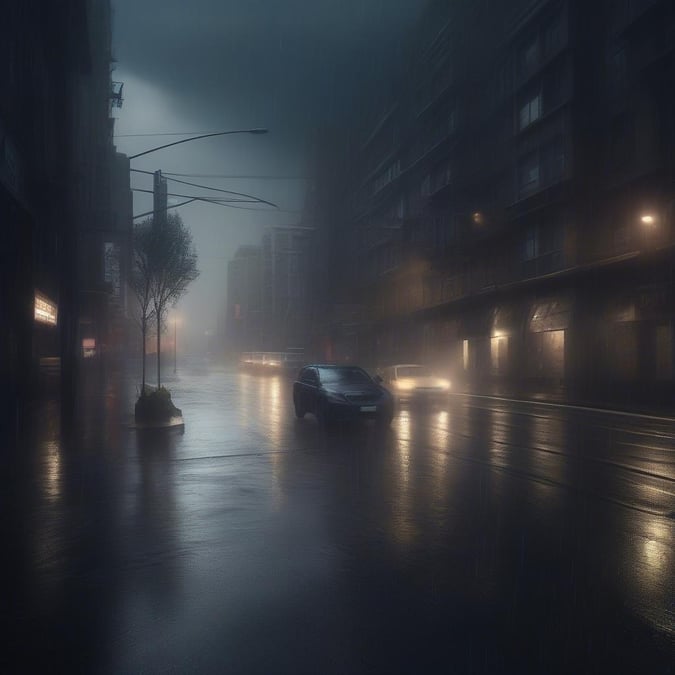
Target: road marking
622,413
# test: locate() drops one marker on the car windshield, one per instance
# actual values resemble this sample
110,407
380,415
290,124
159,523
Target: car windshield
412,371
343,376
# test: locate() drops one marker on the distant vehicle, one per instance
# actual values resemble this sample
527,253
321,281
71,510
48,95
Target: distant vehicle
414,383
271,362
340,393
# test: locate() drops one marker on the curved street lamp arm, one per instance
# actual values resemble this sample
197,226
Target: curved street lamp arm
196,138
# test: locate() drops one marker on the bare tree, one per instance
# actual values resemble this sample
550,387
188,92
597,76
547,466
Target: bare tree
173,266
141,283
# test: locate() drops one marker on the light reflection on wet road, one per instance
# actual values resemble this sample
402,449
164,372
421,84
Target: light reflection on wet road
482,536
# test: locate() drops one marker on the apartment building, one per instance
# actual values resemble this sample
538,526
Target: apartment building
511,206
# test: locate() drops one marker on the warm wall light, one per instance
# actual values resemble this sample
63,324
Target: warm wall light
647,219
44,310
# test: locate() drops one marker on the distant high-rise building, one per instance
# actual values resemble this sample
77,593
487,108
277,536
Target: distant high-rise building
243,320
285,294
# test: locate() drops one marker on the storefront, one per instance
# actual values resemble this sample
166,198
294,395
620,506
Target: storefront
475,334
505,339
638,341
547,337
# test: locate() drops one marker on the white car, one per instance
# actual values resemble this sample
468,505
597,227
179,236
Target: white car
413,382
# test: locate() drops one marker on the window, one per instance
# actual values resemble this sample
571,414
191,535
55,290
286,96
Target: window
530,110
111,266
553,160
308,376
542,167
425,188
442,176
343,375
528,173
542,249
529,55
387,176
400,208
530,250
553,35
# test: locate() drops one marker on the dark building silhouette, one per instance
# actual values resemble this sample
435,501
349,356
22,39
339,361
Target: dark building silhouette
56,203
285,289
511,204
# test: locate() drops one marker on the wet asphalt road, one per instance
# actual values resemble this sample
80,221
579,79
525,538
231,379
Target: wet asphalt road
483,536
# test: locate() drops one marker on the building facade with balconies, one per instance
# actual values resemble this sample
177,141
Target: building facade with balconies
512,209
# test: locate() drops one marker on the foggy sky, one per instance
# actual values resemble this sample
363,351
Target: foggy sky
210,65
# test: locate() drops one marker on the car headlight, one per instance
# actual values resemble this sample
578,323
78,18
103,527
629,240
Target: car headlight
444,385
404,385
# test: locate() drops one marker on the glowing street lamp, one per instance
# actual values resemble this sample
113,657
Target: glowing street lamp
648,219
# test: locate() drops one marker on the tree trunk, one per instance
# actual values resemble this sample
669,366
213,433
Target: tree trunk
159,346
144,332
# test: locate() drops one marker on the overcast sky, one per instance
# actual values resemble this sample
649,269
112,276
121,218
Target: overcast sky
212,65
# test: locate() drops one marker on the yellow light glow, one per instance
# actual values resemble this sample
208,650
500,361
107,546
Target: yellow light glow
405,385
648,219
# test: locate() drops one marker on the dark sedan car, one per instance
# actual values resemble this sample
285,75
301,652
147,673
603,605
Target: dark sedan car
336,393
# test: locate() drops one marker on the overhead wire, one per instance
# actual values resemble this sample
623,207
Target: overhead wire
208,187
201,199
236,176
